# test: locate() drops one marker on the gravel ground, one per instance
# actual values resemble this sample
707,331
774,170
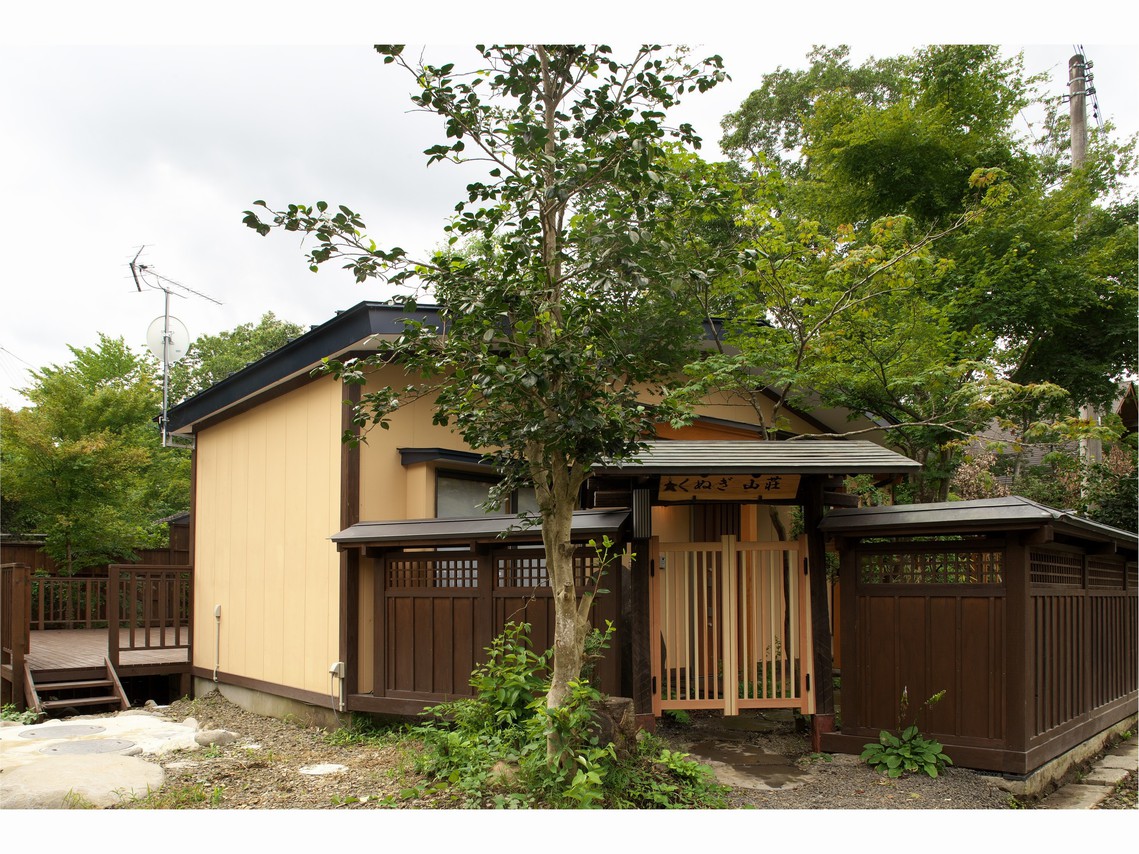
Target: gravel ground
265,769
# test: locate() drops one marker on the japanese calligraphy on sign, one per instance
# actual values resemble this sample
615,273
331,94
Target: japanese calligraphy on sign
738,487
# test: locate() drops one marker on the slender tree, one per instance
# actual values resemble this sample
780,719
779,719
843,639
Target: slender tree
558,316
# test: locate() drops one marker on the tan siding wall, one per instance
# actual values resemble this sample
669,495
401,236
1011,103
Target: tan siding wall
387,489
262,549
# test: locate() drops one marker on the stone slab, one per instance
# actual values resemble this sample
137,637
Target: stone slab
736,754
1127,763
1075,796
59,782
1101,776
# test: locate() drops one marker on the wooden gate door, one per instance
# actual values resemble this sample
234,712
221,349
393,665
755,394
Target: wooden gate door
730,626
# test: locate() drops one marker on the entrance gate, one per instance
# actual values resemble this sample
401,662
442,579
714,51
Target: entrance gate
730,626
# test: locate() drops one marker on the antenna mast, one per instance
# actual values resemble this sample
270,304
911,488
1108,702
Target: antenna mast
169,341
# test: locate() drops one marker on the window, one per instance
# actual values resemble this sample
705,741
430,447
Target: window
461,494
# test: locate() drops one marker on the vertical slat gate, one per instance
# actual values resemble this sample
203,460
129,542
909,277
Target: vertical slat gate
730,626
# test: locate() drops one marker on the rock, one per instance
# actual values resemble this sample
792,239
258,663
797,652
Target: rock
150,704
192,723
210,737
503,774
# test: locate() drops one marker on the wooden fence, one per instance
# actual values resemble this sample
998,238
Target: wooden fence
1034,646
177,553
436,612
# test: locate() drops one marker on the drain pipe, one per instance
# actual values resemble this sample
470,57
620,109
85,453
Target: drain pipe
217,643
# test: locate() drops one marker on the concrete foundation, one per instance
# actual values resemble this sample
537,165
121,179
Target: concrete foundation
1048,776
272,706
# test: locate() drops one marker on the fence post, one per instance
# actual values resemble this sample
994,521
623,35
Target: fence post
17,629
113,615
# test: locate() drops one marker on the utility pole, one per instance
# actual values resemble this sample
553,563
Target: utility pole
1079,87
1078,108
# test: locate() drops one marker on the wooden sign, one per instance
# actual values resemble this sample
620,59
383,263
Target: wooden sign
732,487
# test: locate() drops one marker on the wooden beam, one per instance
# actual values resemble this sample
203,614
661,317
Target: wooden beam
820,613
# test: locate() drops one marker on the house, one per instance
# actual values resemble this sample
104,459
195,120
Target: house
326,578
367,578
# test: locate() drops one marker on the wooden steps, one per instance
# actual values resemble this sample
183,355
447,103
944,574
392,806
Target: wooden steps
106,691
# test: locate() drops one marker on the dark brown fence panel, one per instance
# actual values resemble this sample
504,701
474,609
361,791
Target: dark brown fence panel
922,644
442,609
1114,625
177,554
432,628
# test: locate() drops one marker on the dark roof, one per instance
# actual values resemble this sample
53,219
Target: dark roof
348,331
805,456
987,514
512,528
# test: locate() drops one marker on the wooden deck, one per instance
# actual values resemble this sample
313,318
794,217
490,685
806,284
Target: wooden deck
73,650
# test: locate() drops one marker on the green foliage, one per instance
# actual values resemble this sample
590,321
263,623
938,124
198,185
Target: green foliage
84,463
366,729
188,796
10,713
659,778
1105,491
909,751
512,677
908,254
894,755
494,751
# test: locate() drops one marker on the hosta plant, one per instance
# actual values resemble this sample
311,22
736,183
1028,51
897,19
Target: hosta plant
894,755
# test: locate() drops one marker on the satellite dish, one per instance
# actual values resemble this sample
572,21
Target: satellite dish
171,332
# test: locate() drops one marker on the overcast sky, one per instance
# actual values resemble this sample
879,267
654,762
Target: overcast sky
111,142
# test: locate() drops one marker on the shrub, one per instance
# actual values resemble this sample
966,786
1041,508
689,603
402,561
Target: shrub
494,749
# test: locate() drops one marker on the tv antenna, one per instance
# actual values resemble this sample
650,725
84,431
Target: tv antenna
167,336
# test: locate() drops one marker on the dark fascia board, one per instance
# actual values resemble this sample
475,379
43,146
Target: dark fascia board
349,330
506,528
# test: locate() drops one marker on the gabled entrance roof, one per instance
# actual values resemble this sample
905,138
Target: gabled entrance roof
804,456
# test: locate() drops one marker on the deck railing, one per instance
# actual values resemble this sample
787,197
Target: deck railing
79,602
155,606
